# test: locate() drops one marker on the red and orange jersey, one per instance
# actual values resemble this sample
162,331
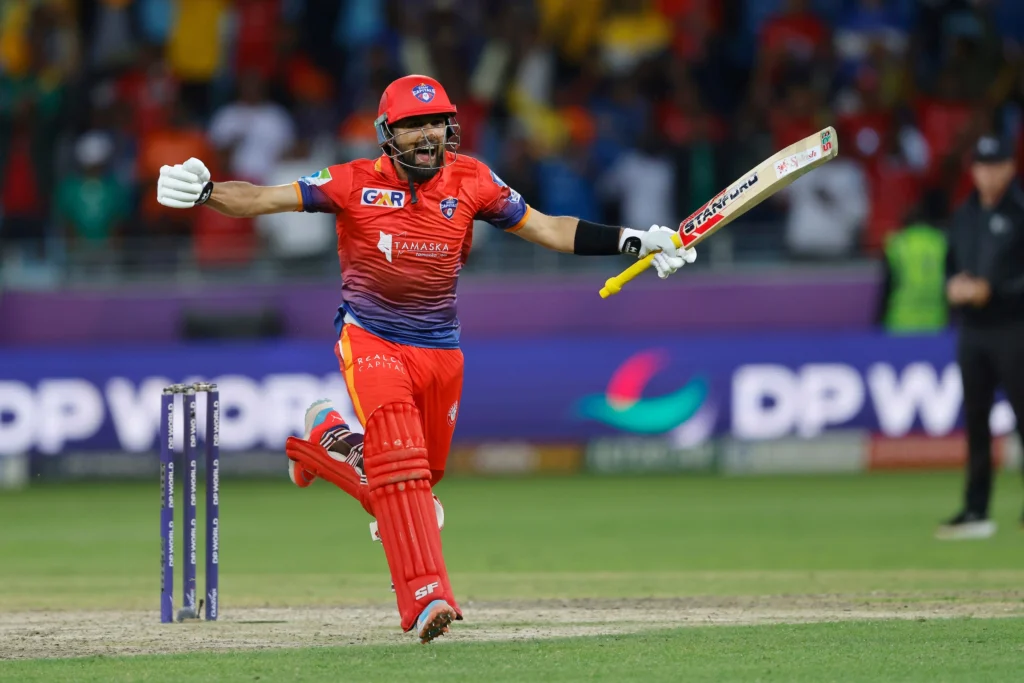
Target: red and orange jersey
400,259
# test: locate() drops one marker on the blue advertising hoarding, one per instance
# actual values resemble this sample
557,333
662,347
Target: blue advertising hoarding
544,390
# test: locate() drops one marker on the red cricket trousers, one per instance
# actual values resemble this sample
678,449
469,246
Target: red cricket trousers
378,372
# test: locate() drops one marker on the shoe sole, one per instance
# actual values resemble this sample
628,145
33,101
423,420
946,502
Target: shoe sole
437,623
974,531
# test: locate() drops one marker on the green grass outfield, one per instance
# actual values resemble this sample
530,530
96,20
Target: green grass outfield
906,651
95,547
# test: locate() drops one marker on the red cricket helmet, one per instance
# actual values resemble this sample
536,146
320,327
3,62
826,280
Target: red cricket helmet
413,95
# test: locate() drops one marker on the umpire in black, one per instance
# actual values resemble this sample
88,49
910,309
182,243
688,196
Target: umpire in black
985,286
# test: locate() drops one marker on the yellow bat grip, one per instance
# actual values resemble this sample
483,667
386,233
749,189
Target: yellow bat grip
613,285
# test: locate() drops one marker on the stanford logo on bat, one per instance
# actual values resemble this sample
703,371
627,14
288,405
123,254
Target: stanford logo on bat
709,214
423,92
448,206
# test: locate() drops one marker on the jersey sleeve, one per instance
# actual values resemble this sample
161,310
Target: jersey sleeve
500,205
324,191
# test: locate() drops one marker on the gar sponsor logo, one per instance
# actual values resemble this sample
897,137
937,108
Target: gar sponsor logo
709,214
386,199
622,405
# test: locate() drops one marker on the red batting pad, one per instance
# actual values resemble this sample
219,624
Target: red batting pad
317,460
398,476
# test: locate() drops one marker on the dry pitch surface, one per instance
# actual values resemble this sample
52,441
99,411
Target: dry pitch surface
44,634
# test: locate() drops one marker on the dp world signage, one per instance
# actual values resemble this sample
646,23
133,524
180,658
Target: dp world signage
549,390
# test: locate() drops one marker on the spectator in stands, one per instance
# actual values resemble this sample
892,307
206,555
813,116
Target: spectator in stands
162,234
309,88
30,107
827,210
258,25
194,50
22,187
870,27
629,33
641,182
565,186
569,82
302,244
252,133
794,36
111,35
92,204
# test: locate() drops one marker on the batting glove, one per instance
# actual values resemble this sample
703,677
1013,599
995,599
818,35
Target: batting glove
184,185
668,258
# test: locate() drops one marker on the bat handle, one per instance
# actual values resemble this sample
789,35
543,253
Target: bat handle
613,285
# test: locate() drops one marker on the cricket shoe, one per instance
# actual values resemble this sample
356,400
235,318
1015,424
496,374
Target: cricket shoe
966,526
438,510
434,620
325,426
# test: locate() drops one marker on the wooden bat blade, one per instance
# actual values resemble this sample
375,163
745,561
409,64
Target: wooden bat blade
758,184
755,186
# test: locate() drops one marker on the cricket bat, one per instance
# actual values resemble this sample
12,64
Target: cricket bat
755,186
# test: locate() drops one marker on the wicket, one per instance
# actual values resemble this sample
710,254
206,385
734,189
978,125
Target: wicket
190,609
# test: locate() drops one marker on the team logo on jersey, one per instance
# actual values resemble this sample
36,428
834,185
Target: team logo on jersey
423,92
388,199
319,178
448,206
453,412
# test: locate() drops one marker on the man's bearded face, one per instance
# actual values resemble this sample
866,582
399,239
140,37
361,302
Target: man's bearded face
419,141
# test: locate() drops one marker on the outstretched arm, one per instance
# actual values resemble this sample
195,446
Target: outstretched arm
186,185
572,235
559,232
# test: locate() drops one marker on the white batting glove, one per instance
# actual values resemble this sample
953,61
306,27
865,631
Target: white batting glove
181,186
668,258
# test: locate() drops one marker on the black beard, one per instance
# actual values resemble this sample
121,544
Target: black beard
419,174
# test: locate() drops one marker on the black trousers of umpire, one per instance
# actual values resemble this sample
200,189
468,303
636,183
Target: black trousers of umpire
989,358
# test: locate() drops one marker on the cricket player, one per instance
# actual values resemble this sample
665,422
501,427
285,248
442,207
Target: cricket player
404,225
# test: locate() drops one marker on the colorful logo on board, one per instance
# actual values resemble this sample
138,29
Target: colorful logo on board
623,406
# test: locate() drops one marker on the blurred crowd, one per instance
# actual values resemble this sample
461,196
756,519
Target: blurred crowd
622,111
